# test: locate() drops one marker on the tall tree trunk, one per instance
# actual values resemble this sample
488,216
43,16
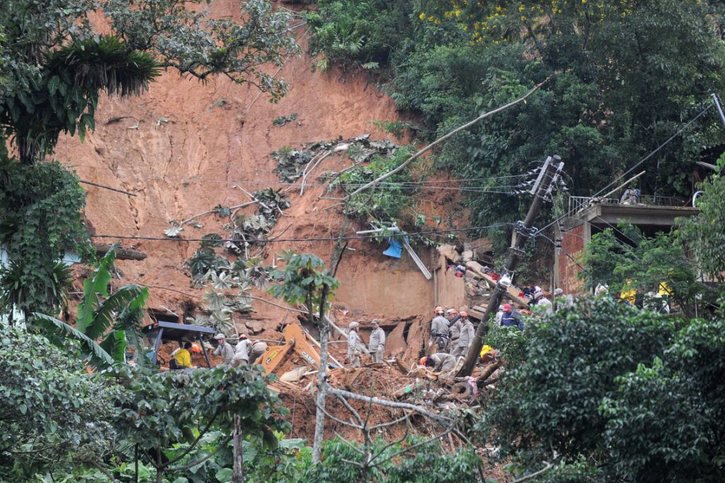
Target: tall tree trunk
324,351
321,380
238,475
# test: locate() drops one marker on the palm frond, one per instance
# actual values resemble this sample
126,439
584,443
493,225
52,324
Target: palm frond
97,355
126,298
94,287
115,344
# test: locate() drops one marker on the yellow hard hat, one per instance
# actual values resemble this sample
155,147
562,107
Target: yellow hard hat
423,360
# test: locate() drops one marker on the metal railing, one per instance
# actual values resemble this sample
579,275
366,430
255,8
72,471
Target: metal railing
580,203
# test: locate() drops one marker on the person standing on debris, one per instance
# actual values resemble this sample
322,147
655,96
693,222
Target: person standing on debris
353,344
454,328
511,318
438,331
499,315
439,362
377,342
241,354
224,349
466,337
562,300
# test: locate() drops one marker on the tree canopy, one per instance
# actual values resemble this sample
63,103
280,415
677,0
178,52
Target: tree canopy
627,75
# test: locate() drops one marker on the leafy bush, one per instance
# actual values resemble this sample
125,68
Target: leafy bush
344,462
40,218
631,392
54,415
359,32
386,203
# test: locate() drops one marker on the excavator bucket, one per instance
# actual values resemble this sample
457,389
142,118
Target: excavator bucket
295,340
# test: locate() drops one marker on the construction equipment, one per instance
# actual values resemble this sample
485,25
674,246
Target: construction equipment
295,339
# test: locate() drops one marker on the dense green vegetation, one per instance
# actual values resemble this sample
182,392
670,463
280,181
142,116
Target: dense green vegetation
684,260
598,391
607,392
625,77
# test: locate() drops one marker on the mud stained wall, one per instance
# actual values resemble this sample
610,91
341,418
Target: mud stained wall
376,284
451,290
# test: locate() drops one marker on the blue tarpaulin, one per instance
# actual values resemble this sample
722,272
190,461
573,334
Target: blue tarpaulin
395,249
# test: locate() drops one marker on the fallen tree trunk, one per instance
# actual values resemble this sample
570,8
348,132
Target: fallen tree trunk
121,253
391,404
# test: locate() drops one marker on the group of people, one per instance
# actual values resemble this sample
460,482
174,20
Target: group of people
452,332
356,347
245,351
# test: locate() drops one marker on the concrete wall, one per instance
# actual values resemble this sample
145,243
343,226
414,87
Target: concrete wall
450,290
378,285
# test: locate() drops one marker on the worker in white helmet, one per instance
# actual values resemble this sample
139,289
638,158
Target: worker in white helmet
224,349
241,354
353,344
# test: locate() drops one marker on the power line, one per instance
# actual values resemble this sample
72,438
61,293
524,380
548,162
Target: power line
310,239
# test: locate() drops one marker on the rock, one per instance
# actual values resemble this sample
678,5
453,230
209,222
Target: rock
294,375
254,326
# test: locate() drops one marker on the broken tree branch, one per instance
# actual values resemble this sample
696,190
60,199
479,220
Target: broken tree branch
446,136
338,420
306,172
488,372
391,404
535,474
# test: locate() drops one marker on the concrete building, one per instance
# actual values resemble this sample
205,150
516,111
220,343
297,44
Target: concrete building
590,216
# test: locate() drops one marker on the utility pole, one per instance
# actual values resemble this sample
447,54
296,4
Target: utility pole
542,190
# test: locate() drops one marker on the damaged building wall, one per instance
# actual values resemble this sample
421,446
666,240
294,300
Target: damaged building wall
390,288
450,289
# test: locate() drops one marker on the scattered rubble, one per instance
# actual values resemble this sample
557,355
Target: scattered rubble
291,163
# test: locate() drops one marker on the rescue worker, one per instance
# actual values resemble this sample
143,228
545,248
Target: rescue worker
511,318
377,342
542,302
454,328
466,337
258,348
353,344
439,362
499,314
438,331
562,300
224,349
241,354
182,356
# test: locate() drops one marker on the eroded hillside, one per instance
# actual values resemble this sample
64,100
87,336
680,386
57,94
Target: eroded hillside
185,147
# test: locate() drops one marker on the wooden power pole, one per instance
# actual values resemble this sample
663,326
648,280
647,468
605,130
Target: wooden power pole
541,190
